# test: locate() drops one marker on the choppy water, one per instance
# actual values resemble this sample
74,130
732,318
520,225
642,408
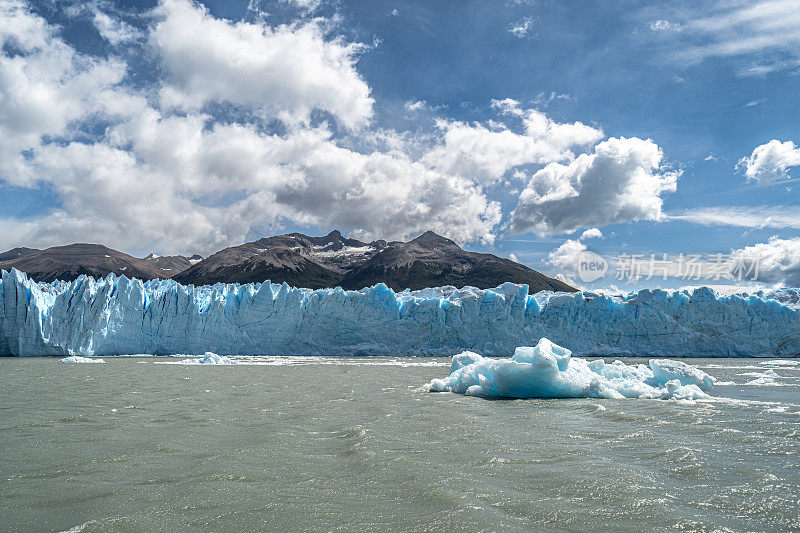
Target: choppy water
350,444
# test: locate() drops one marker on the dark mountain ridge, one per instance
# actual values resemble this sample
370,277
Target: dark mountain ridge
70,261
430,260
333,260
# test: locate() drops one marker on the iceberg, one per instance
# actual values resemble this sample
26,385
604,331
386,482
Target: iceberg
79,359
116,315
549,371
767,378
209,358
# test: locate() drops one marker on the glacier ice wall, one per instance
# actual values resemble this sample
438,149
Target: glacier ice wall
117,315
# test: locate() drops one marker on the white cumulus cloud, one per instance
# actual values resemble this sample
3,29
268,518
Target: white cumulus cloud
777,261
567,256
487,152
44,87
288,70
769,162
622,180
591,233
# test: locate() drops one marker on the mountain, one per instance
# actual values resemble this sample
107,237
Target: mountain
430,260
16,253
297,259
69,262
169,265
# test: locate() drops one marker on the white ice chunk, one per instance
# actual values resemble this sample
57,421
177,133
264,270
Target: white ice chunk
209,358
548,371
79,359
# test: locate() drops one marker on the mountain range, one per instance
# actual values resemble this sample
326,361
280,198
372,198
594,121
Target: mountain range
70,261
430,260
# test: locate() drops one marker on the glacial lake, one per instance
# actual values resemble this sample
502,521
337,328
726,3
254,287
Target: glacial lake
354,444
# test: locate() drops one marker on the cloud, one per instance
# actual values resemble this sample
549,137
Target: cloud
513,257
287,71
545,99
487,152
159,167
186,182
415,105
45,86
769,162
569,281
567,256
216,182
781,217
778,260
591,233
308,6
622,180
520,28
703,269
764,34
508,106
665,26
113,30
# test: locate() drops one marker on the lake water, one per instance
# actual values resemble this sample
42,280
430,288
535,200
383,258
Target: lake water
354,444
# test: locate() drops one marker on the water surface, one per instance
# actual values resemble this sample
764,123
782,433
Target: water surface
349,444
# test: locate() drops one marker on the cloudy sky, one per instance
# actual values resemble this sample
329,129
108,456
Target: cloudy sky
536,130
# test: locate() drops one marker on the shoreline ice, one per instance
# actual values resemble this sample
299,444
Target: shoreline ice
119,316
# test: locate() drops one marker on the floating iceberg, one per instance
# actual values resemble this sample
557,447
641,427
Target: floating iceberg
79,359
117,316
767,378
209,358
549,371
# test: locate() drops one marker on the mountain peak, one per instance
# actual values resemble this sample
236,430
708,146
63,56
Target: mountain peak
431,238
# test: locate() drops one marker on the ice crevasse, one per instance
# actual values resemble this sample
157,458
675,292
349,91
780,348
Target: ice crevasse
116,315
549,371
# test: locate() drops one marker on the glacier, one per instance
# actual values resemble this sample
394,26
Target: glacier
549,371
116,315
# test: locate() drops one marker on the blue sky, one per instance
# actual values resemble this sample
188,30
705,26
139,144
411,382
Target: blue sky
182,127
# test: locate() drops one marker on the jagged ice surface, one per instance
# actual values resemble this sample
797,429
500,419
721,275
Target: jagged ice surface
549,371
117,315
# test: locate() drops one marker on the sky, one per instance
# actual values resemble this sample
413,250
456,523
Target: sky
613,144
